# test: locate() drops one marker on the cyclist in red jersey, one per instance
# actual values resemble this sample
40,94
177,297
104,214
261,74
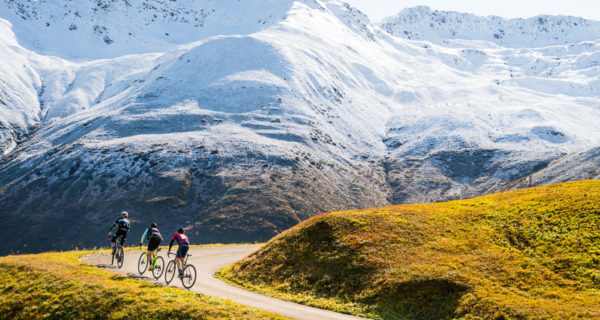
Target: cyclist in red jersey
184,245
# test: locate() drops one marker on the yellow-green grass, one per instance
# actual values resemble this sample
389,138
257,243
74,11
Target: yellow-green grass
57,286
524,254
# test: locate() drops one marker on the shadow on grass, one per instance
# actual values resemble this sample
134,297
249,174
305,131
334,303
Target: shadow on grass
136,276
423,299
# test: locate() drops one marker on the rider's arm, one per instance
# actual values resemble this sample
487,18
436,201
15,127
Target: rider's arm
113,226
172,239
171,244
144,236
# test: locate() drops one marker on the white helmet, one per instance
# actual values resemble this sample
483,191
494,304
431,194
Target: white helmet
124,214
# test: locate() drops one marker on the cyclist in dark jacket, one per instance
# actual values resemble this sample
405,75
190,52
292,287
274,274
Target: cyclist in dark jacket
154,239
122,225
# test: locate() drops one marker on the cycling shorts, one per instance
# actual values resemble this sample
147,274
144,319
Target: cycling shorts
120,233
153,243
183,250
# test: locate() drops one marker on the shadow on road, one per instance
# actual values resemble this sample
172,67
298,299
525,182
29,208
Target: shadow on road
137,276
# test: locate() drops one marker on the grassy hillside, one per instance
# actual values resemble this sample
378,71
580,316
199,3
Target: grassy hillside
525,254
58,286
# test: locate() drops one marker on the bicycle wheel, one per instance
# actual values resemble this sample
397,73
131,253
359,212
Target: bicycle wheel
170,271
159,267
120,257
142,263
189,276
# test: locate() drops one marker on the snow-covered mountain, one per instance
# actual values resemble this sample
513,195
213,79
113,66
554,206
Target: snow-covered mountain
445,27
110,28
241,118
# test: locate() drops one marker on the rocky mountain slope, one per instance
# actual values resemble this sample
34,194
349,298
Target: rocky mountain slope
241,118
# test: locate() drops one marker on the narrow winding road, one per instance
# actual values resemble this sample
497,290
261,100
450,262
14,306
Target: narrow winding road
207,261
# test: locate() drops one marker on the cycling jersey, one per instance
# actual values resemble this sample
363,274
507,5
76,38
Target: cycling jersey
180,238
122,224
151,233
184,244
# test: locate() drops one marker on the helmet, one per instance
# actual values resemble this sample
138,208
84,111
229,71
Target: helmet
153,225
180,230
124,214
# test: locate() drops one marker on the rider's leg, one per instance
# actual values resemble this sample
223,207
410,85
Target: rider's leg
179,262
113,244
150,257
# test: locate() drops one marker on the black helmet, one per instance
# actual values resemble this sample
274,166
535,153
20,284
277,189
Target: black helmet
180,230
153,225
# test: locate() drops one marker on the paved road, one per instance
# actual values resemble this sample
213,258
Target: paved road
209,260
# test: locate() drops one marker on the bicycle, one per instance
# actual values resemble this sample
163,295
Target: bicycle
189,272
118,253
158,264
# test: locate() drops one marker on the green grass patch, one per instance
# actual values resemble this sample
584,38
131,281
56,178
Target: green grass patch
57,286
525,254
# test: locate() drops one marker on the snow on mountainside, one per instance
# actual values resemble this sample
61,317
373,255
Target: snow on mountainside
241,118
442,27
111,28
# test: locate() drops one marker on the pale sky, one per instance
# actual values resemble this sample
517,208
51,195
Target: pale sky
379,9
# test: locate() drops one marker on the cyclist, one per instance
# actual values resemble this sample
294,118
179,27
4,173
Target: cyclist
184,245
154,239
122,225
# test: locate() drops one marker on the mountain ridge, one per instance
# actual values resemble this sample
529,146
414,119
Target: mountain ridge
421,22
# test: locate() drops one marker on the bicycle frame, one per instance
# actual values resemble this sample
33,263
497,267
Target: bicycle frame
184,261
117,242
116,247
154,253
188,278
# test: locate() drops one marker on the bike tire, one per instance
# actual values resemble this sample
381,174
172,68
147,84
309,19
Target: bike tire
142,263
159,267
170,271
120,257
189,276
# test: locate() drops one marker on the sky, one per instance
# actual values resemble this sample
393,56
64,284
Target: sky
379,9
